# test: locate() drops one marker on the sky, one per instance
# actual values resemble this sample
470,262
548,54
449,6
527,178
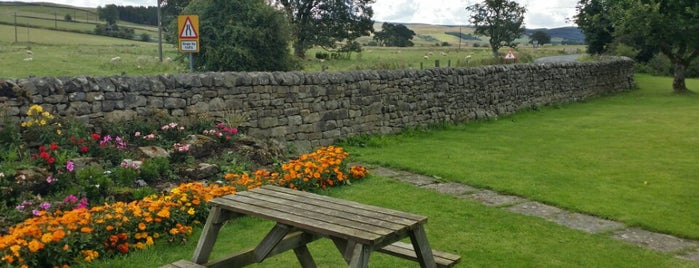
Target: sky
540,13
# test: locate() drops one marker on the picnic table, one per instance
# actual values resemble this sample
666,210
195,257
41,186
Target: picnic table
356,229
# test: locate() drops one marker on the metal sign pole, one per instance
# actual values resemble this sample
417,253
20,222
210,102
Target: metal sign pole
191,63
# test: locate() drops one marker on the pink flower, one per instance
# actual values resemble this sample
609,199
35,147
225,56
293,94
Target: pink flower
137,134
70,199
51,179
83,203
70,166
35,212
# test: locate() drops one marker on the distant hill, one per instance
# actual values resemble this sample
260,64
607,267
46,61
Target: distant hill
569,35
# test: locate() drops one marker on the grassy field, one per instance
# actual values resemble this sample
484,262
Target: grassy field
630,157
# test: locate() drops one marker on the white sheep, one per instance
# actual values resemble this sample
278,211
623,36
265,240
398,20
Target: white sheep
28,59
115,59
443,53
426,57
29,52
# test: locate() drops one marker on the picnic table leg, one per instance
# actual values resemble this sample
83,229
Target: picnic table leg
360,256
216,218
422,247
304,257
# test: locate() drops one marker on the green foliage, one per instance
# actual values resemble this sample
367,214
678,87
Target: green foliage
94,182
114,30
326,23
109,13
464,36
145,37
241,36
501,20
540,37
68,18
155,169
394,35
595,21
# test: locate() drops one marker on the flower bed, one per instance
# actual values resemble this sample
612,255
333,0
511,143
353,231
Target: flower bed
52,169
62,238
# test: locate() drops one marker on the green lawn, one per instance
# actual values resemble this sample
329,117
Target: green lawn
483,236
630,157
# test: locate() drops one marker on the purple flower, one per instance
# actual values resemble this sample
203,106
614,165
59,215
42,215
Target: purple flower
35,212
51,179
19,207
70,166
45,206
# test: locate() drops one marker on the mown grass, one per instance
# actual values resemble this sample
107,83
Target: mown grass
630,157
483,236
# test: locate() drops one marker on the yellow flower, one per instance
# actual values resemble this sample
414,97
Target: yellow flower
24,124
59,132
191,211
42,122
46,238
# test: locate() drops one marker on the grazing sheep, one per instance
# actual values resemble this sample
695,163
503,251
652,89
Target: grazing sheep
28,59
29,52
426,57
443,53
115,59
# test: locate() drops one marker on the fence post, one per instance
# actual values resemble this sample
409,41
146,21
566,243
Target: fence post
436,63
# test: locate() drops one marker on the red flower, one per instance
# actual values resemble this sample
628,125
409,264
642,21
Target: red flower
51,160
96,136
123,248
83,149
44,155
42,148
53,146
81,141
72,139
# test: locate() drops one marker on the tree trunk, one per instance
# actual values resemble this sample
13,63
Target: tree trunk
678,84
298,50
495,51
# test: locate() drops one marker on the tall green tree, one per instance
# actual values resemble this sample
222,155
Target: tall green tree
394,35
501,20
594,20
240,35
109,13
666,26
540,37
170,9
326,23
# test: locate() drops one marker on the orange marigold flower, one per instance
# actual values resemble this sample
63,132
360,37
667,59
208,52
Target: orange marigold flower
164,213
86,230
46,238
141,226
35,245
109,228
8,258
58,235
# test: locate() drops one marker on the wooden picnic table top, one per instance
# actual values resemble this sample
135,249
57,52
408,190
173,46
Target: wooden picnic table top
326,216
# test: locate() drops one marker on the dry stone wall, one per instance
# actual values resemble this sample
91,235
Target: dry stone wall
314,109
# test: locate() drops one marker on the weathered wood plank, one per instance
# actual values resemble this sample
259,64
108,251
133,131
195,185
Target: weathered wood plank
182,264
278,232
367,212
309,213
247,257
405,251
355,215
418,237
347,203
312,225
209,234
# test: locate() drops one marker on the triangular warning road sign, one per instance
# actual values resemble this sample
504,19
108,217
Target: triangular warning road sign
510,55
188,31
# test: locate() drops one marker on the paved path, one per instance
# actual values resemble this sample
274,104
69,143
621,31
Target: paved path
679,247
564,58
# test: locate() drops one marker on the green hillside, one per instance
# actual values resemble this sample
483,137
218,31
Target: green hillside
53,16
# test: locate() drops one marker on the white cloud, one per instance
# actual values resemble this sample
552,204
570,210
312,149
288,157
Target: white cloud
540,13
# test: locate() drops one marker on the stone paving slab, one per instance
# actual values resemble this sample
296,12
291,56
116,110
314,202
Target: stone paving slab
493,199
451,188
654,241
386,172
587,223
416,179
690,256
537,209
